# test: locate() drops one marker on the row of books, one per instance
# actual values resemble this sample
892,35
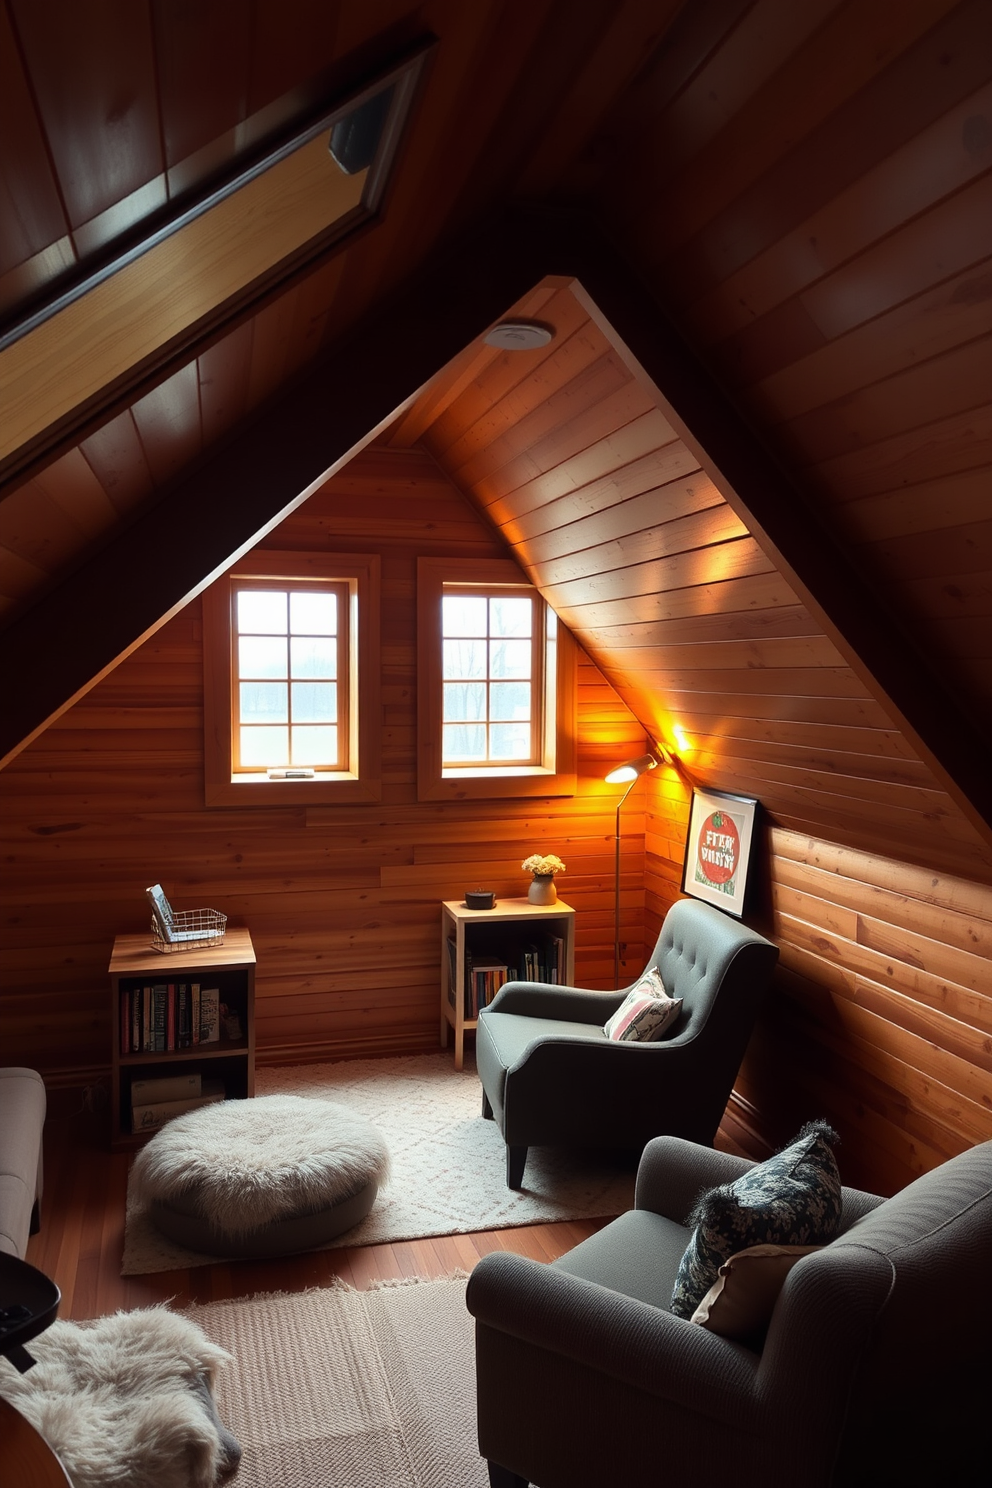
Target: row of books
156,1101
484,975
168,1015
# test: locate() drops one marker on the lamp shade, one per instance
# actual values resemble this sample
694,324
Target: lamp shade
631,769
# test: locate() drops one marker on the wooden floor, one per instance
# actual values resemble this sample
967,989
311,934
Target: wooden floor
82,1237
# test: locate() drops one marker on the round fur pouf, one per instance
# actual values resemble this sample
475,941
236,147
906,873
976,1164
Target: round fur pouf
261,1177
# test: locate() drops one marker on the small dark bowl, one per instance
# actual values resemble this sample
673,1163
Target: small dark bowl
479,899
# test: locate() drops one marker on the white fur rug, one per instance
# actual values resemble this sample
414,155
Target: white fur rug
448,1165
125,1400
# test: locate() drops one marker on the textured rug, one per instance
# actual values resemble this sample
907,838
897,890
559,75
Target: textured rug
448,1164
341,1389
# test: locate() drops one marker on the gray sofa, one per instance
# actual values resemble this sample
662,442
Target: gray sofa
22,1119
875,1369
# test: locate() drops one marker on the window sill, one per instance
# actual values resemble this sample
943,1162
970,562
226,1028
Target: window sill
457,785
252,791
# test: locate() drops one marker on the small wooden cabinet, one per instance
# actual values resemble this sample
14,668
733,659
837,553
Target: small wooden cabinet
228,968
532,942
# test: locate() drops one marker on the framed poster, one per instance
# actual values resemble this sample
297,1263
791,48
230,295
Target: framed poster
718,849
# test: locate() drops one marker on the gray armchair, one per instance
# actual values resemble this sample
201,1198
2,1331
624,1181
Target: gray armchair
551,1076
874,1372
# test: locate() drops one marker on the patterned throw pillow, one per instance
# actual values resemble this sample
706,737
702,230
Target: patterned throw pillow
645,1013
792,1199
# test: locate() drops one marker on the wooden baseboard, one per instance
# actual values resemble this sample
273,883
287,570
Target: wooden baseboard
748,1117
359,1046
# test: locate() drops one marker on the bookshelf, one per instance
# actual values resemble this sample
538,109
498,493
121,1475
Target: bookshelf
489,939
230,968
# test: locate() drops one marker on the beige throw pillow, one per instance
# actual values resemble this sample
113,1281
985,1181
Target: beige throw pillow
741,1300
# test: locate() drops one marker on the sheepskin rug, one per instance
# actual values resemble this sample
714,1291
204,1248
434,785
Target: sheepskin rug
247,1163
127,1401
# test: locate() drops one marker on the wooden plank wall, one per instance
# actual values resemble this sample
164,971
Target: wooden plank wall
880,1014
341,902
881,1018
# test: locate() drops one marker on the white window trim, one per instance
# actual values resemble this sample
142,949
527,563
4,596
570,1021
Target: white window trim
556,775
361,781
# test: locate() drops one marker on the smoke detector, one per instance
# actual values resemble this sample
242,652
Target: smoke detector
519,335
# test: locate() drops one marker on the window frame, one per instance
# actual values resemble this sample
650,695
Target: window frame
341,590
555,775
536,678
360,780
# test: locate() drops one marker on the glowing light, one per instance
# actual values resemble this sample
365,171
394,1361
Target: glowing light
630,769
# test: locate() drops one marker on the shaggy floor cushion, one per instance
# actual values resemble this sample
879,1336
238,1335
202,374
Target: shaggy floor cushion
261,1177
128,1400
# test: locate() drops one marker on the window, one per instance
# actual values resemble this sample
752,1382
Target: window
496,685
290,649
291,680
491,670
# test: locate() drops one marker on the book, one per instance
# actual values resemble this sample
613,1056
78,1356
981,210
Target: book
147,1041
150,1117
159,1017
194,1012
183,1033
209,1015
488,975
165,1088
161,912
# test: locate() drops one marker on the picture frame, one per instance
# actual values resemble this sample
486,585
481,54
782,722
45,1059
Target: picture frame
719,855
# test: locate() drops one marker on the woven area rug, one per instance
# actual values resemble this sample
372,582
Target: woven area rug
341,1389
448,1164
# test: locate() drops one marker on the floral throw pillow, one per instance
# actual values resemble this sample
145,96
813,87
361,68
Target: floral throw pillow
792,1199
645,1013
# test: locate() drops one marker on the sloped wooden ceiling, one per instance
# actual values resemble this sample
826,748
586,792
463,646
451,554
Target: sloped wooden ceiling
612,516
802,189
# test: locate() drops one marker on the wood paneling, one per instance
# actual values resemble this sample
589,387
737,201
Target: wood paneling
635,548
342,901
882,1009
803,190
829,245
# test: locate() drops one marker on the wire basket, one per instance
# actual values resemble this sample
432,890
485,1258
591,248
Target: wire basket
190,930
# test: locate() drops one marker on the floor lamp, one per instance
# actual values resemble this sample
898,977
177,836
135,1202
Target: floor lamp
628,773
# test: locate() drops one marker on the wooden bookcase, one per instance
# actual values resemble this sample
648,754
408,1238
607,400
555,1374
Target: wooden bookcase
504,933
229,967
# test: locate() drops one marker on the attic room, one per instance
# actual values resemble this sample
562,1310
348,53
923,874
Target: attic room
742,468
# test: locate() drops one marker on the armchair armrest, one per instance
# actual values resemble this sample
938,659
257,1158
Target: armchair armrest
548,1000
673,1172
643,1346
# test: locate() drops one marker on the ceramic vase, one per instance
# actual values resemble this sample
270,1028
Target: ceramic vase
542,889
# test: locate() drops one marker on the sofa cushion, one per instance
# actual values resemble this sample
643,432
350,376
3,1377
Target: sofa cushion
740,1302
792,1199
